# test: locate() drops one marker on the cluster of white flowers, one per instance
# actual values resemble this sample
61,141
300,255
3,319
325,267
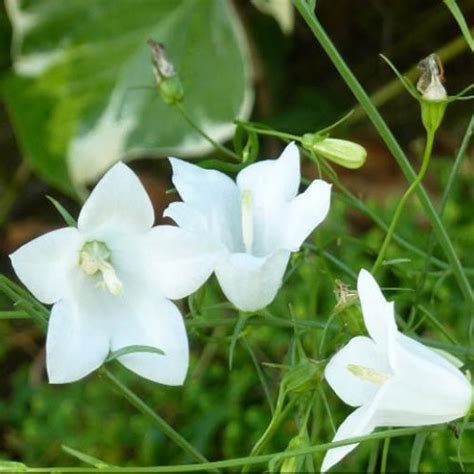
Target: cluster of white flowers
111,279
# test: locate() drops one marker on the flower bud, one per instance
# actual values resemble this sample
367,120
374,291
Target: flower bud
342,152
294,464
303,376
169,85
434,98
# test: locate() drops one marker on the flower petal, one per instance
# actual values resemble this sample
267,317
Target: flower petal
152,321
214,196
363,352
426,388
359,423
271,185
43,265
179,261
249,282
379,314
306,212
118,204
77,342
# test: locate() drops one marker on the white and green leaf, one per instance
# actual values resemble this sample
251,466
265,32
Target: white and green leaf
82,95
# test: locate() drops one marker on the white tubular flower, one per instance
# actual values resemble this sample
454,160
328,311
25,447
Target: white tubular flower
392,379
104,281
251,226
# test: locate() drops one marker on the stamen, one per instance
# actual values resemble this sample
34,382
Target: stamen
247,220
95,257
368,374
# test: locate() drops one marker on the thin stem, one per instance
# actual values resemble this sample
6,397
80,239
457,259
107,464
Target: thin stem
201,132
392,144
279,415
446,193
385,450
416,452
164,427
250,460
398,211
271,133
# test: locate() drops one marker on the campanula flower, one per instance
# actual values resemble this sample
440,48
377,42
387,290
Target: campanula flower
107,280
249,227
392,379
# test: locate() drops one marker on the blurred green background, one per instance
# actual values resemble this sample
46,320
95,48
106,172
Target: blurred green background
296,89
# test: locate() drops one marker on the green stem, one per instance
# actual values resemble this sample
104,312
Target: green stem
203,134
164,427
398,211
278,416
385,450
390,141
416,452
271,133
250,460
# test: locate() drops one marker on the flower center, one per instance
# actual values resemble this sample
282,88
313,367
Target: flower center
95,258
247,220
369,375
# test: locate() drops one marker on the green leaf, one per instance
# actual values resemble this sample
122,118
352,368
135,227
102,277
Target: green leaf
467,459
406,83
459,17
68,219
132,350
85,458
11,466
83,94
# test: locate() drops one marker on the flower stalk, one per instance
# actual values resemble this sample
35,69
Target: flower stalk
430,135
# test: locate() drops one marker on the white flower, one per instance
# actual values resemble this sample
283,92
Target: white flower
392,379
250,226
109,280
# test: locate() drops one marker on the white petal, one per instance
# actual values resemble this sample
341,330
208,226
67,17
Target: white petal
379,314
187,217
362,352
426,388
152,321
118,204
249,282
179,261
44,264
306,212
214,196
77,342
271,185
279,178
359,423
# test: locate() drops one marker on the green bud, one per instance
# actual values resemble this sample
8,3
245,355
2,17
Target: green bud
303,376
432,113
294,464
171,90
169,85
342,152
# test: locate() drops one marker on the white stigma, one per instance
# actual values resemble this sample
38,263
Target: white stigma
95,257
369,375
247,220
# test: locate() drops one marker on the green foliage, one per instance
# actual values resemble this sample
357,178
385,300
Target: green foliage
93,87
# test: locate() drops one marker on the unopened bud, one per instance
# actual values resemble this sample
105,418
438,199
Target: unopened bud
294,464
433,94
342,152
169,85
